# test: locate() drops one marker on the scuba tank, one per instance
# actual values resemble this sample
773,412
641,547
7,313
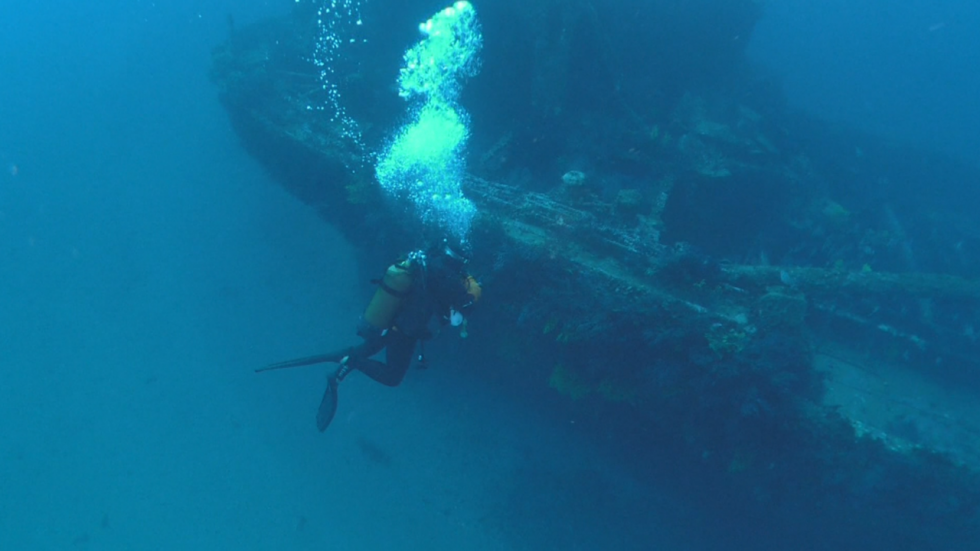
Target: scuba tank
472,288
392,291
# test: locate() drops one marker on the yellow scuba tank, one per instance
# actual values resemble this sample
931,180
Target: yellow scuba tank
472,288
394,287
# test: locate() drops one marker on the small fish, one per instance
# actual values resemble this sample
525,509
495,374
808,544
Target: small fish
373,453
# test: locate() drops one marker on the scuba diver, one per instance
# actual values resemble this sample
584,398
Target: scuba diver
424,284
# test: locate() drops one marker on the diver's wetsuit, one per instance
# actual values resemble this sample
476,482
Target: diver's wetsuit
398,356
439,286
439,290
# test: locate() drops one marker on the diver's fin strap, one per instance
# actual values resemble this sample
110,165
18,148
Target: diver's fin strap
346,366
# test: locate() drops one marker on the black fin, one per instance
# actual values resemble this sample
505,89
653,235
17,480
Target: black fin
309,360
328,406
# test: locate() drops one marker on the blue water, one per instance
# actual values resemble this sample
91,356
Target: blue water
902,70
148,264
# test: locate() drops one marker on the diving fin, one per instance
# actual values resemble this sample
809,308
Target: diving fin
328,405
308,360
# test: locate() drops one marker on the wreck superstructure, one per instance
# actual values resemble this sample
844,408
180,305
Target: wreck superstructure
773,295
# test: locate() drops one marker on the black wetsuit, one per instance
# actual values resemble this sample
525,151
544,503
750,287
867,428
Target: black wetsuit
399,348
439,287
